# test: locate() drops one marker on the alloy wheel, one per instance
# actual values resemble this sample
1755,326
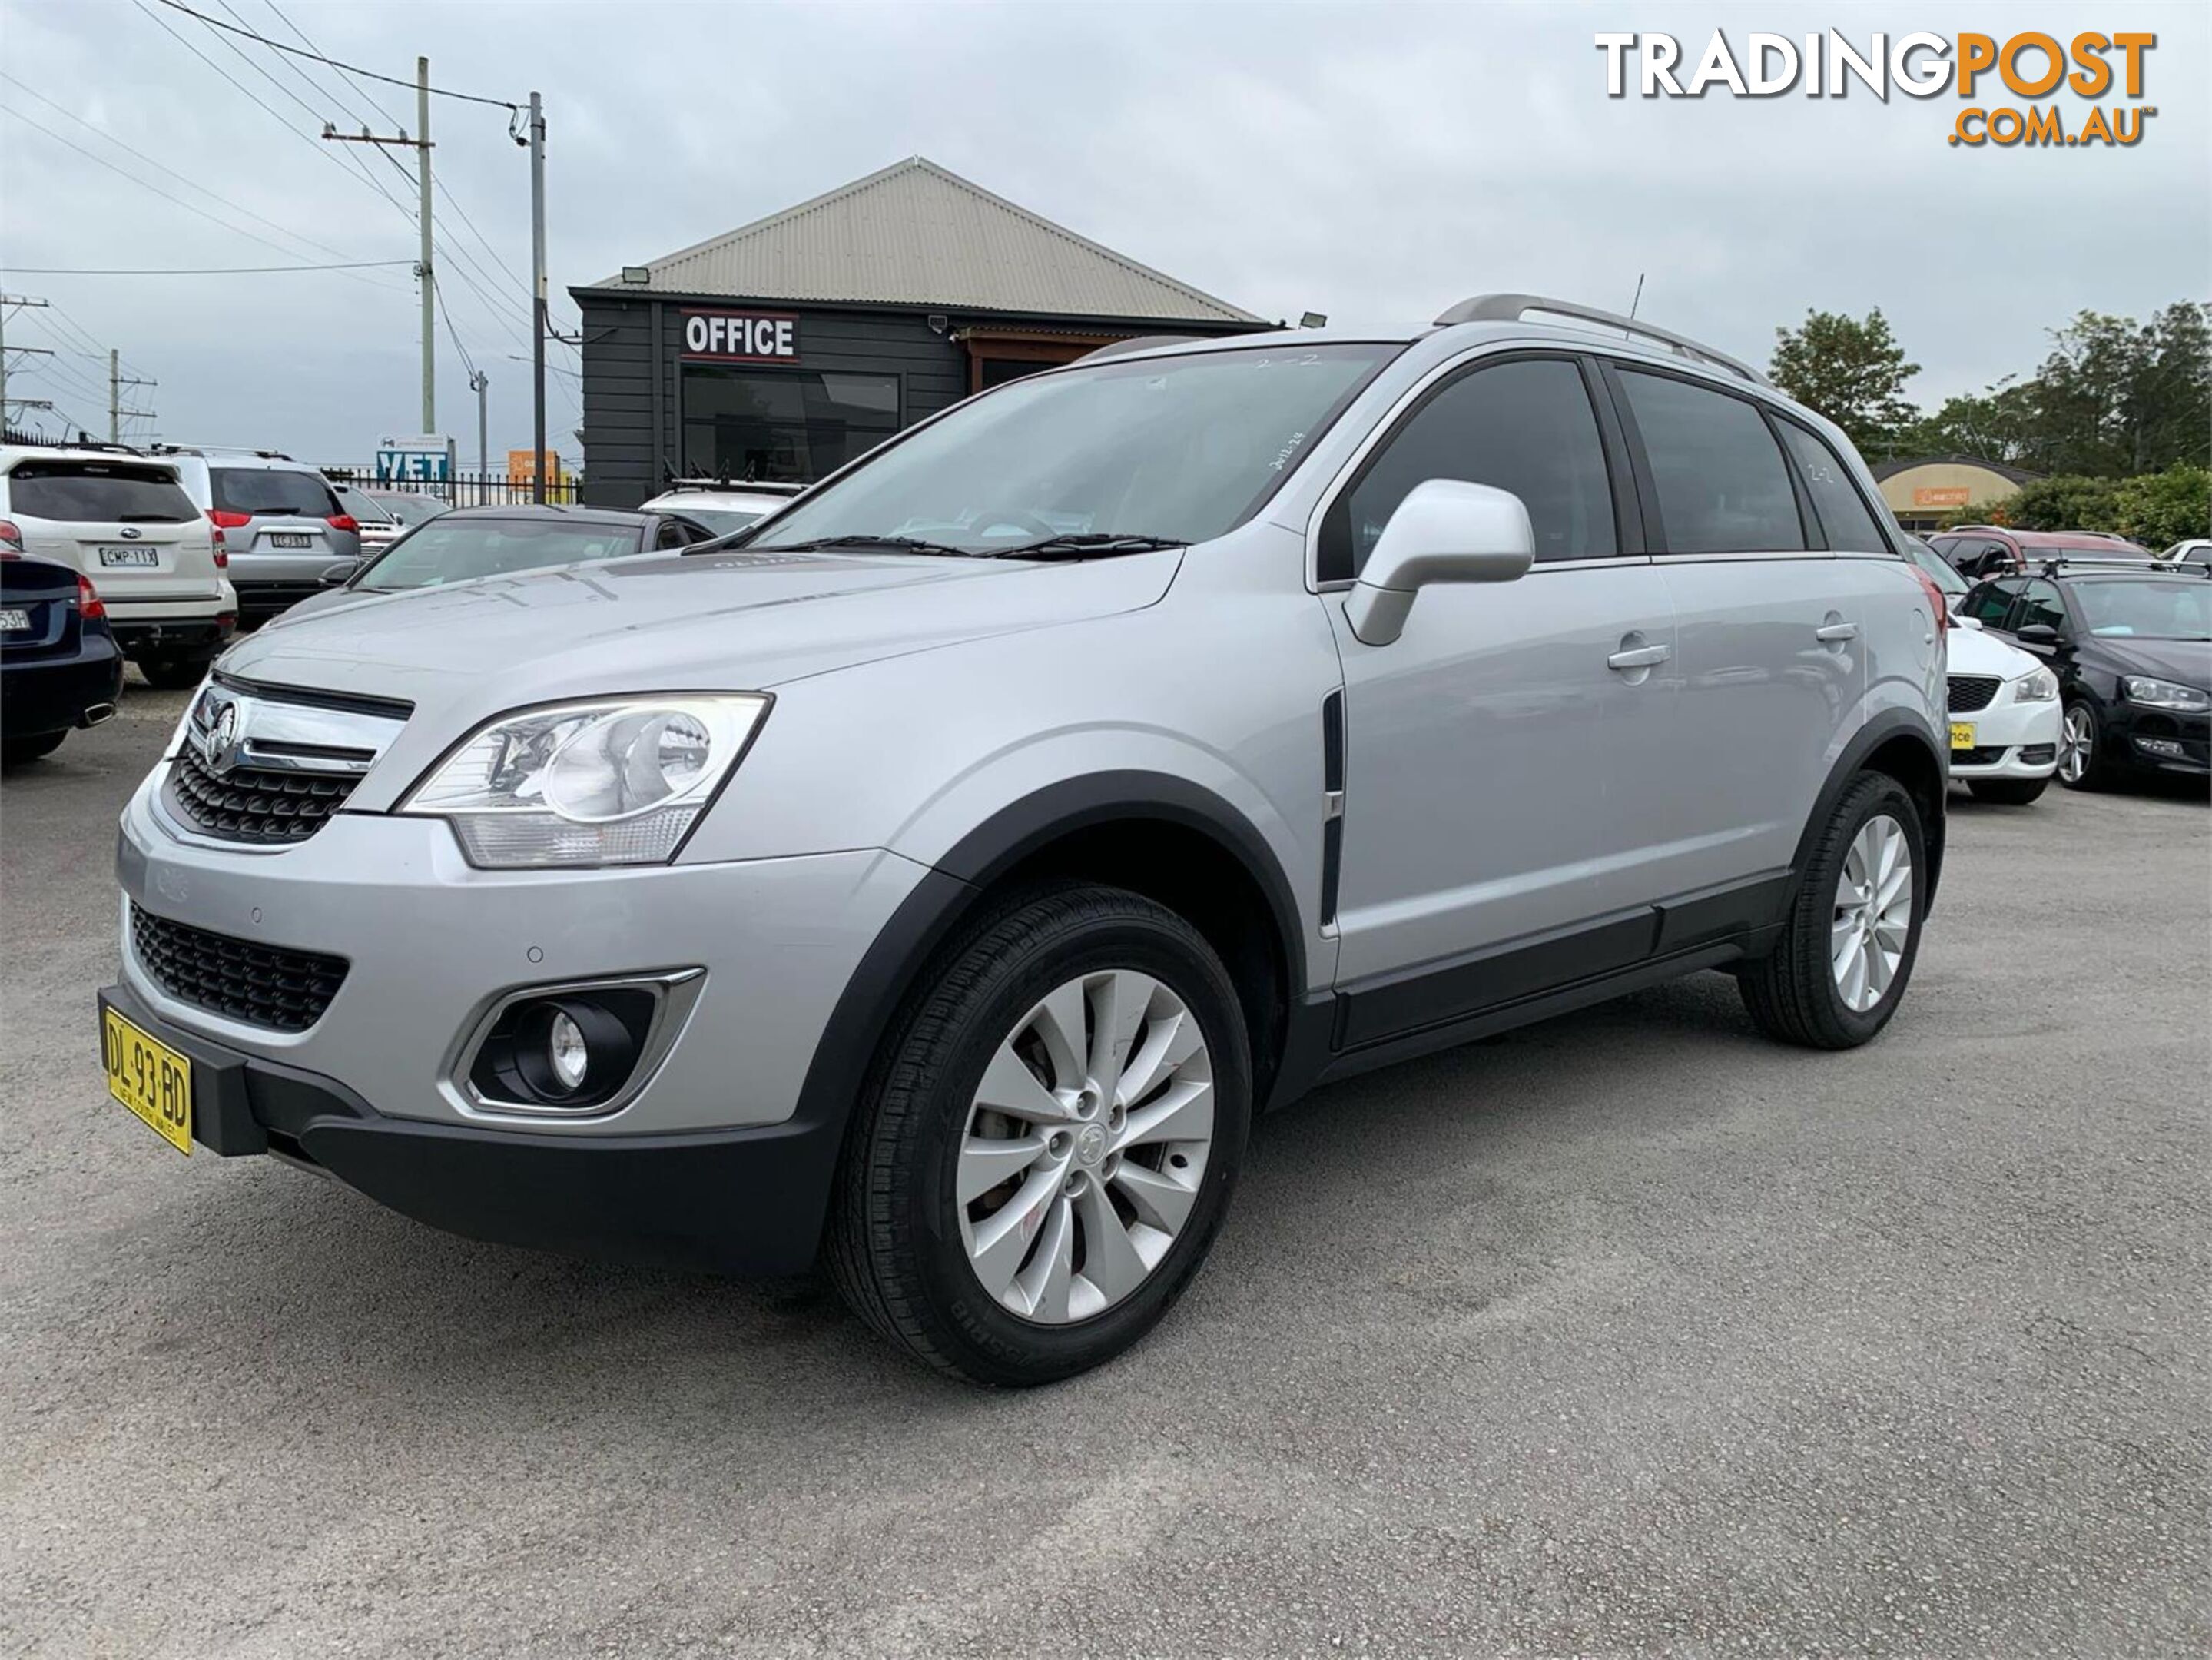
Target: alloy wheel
1086,1147
1873,913
2077,745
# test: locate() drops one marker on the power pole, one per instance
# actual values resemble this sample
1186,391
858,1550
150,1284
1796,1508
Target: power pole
537,299
430,278
477,383
6,301
116,382
421,146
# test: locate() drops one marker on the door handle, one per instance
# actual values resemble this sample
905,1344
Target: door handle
1834,632
1639,657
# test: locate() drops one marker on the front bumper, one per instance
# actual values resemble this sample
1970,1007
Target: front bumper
740,1201
430,944
2159,740
2011,740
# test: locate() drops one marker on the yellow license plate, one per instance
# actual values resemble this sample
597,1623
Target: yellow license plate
1962,734
151,1078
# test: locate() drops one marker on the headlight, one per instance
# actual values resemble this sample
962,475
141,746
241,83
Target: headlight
2038,687
2163,694
613,780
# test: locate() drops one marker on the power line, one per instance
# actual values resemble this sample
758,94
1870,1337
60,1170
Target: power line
453,334
236,207
356,69
376,111
193,271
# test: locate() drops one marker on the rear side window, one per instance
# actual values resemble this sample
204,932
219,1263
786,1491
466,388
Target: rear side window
272,491
99,492
1722,483
1525,426
1989,603
1843,511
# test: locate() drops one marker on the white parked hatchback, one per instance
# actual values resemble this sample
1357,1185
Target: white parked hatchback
2004,702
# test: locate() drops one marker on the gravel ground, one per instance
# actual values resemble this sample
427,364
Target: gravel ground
1627,1333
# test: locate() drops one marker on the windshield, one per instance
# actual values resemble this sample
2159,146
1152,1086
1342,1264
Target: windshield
2178,610
1181,448
1939,569
451,549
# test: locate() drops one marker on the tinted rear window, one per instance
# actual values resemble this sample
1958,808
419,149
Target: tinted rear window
99,492
1850,526
271,490
1723,486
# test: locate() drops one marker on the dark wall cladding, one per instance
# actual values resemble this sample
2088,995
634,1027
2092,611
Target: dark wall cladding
633,420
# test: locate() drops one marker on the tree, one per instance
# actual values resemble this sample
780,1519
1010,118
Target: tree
2069,501
2000,426
2161,508
1851,371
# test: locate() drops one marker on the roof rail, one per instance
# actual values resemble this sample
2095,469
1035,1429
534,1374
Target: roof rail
757,486
1139,343
218,449
1512,308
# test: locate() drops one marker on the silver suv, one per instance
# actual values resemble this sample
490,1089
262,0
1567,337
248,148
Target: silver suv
941,875
282,523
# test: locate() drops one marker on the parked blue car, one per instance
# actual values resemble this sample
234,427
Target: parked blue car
59,667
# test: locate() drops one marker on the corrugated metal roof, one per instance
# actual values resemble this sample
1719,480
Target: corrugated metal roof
916,235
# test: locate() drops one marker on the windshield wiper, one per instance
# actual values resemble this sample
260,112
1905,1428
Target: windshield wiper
1075,546
824,544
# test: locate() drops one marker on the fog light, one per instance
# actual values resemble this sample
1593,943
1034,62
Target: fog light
2160,746
565,1048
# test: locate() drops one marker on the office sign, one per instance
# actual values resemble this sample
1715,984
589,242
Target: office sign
424,459
740,337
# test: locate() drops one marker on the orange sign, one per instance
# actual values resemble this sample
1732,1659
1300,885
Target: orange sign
1947,497
518,467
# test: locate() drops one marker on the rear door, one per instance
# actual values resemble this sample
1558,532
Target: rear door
1497,783
278,520
1773,669
127,524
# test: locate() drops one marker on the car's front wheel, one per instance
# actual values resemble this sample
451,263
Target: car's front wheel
2080,749
1048,1142
1835,977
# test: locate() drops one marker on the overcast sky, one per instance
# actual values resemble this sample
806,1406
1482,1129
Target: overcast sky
1375,163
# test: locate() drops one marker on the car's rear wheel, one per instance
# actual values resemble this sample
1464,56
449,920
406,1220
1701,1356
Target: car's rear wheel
2008,792
1048,1142
173,673
15,752
1846,951
2080,749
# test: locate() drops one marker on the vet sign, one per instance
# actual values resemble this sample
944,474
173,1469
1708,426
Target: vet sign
426,459
735,336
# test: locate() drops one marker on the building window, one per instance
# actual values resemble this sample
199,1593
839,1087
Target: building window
786,425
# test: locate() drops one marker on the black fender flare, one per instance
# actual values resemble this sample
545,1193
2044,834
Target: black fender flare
1884,728
951,888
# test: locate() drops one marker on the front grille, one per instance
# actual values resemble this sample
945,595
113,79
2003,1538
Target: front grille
255,803
1981,757
1972,691
260,985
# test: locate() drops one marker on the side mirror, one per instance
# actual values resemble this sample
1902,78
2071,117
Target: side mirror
2037,636
1444,531
338,576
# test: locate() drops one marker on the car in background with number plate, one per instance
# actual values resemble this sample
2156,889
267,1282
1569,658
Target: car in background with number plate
282,522
125,520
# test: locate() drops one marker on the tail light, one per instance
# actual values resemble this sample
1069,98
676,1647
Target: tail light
1935,598
221,549
11,539
344,521
90,605
227,521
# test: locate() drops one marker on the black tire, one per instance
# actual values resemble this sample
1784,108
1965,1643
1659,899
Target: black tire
1791,992
894,1248
173,673
2095,772
15,752
2008,792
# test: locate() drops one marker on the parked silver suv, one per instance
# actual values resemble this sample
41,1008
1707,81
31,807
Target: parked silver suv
285,527
941,873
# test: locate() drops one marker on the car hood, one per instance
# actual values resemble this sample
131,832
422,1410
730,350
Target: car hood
2187,661
1972,651
736,620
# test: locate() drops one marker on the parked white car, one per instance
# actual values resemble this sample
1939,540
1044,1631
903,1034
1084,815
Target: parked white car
723,507
124,521
2195,552
2005,716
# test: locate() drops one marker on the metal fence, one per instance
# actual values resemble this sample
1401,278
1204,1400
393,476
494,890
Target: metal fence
467,488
